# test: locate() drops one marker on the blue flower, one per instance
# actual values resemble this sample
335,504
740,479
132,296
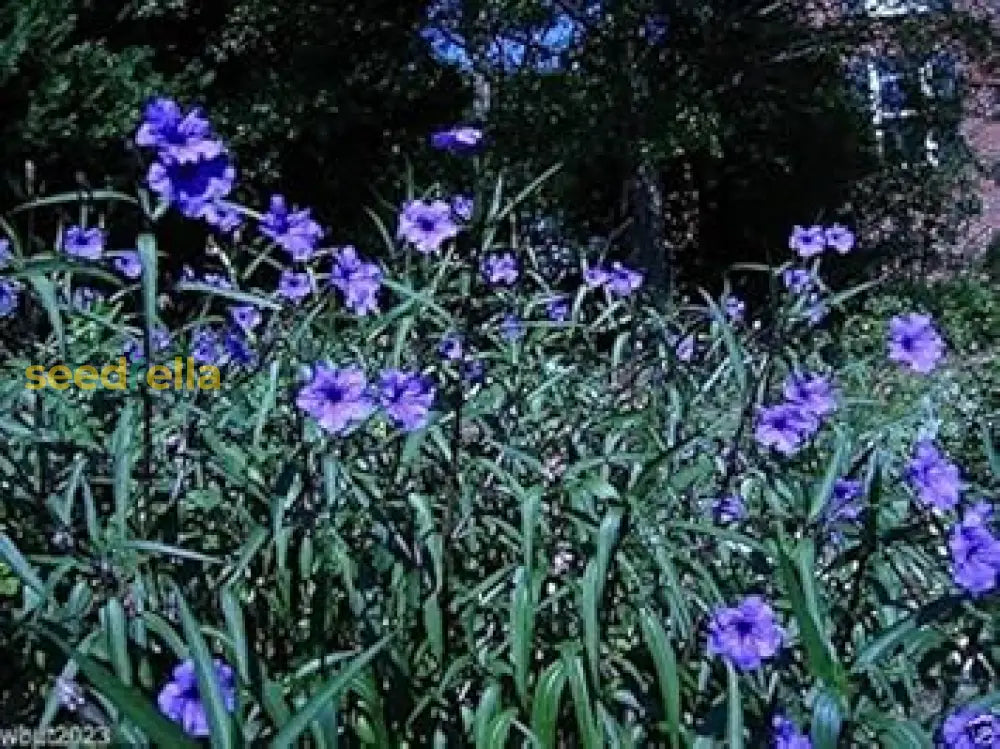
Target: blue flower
785,427
745,634
595,277
474,371
83,298
222,216
426,226
451,347
975,552
511,327
500,269
337,398
183,138
728,509
180,701
936,480
195,187
85,243
407,397
462,206
685,348
358,281
811,392
622,281
807,242
205,346
238,349
458,140
294,231
798,280
134,347
915,342
294,285
128,264
246,316
5,253
557,309
839,238
9,291
734,307
787,734
971,729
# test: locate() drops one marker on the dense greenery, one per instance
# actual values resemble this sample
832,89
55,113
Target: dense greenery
500,472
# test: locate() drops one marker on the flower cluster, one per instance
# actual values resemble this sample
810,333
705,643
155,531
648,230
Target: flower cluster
975,552
357,280
181,702
786,426
814,240
936,480
341,399
192,169
619,280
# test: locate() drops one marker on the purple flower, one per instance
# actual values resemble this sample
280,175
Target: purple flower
475,371
839,238
195,187
238,349
223,217
358,281
407,397
745,634
935,479
557,309
596,276
787,735
179,699
817,310
913,341
728,509
450,347
83,298
797,280
462,206
807,242
685,348
337,398
623,281
294,285
134,347
499,269
85,243
9,291
294,231
5,254
427,225
458,140
205,346
511,327
734,308
975,552
843,503
128,264
813,393
785,427
971,729
179,137
246,317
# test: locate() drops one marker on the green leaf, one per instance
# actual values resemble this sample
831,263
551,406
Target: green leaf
826,721
128,700
734,722
117,630
219,722
146,245
331,691
77,196
47,295
665,663
585,721
824,490
230,294
545,704
522,623
487,708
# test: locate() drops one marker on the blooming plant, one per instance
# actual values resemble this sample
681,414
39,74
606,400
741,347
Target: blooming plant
443,500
